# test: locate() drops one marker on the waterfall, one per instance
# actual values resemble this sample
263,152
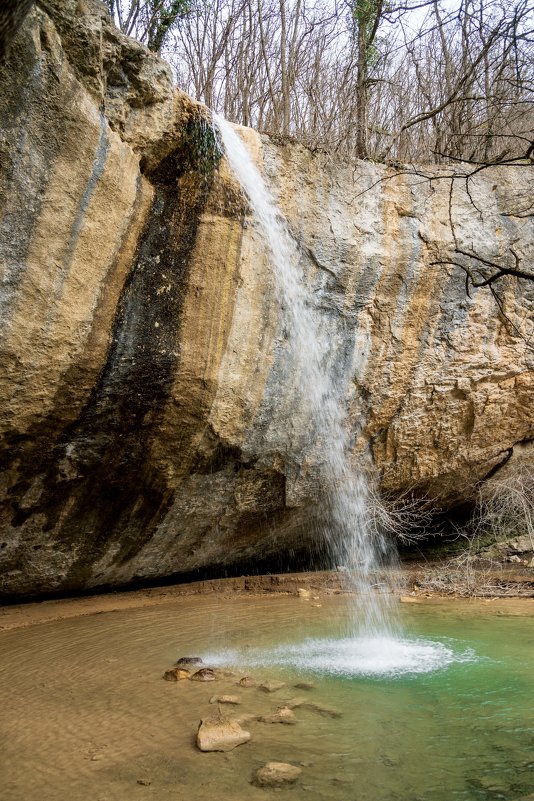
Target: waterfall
351,533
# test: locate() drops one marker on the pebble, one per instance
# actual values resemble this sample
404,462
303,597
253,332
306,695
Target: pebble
302,593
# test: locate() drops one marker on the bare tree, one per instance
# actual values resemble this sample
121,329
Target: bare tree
404,81
150,21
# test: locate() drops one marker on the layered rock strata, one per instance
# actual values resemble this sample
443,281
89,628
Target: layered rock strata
150,421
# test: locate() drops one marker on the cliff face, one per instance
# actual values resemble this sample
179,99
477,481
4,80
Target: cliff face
150,422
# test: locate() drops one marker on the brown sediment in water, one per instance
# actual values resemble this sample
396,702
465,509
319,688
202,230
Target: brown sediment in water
88,715
511,593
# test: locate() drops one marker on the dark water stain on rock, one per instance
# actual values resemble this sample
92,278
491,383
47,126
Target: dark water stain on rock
101,488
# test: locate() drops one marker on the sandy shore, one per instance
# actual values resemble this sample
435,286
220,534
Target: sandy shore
13,616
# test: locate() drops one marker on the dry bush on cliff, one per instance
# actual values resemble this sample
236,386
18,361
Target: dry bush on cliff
506,505
503,523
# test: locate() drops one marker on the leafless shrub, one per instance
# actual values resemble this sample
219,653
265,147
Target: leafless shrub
466,576
506,505
405,517
505,513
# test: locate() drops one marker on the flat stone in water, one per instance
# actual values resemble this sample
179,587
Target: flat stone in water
304,685
215,734
276,774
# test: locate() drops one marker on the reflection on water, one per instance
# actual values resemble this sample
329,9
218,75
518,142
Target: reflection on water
85,714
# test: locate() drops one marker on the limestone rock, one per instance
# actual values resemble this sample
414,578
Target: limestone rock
284,715
204,674
145,382
521,544
176,674
215,734
276,774
272,686
225,699
248,681
188,661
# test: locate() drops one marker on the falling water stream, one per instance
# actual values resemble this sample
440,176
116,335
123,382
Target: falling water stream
375,642
350,537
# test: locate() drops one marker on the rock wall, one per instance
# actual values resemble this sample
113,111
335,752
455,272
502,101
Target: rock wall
150,421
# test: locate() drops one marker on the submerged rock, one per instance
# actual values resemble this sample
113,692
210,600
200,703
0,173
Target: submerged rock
325,711
205,674
215,734
224,699
272,686
284,715
176,674
276,774
305,685
248,681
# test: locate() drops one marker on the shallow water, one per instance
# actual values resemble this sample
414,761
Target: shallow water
447,714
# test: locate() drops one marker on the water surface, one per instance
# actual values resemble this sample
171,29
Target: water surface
85,713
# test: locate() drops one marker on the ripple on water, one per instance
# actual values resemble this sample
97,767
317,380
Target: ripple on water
371,656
